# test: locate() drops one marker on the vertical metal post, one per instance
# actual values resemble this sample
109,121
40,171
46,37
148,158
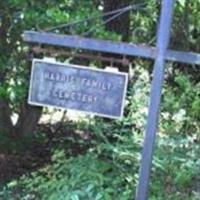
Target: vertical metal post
163,37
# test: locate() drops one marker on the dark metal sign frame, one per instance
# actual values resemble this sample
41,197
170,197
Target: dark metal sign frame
160,54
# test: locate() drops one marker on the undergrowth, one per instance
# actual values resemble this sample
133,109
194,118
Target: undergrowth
109,168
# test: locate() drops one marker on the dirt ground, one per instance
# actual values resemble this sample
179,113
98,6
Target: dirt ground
37,155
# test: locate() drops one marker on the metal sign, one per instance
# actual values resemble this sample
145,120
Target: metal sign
79,88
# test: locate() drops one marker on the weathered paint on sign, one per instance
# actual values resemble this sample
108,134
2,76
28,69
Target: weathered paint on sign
79,88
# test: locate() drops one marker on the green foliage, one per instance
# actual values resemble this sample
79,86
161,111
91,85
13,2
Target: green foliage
83,177
181,110
109,169
176,168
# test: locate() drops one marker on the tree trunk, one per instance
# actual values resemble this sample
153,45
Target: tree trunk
28,115
6,126
121,24
28,119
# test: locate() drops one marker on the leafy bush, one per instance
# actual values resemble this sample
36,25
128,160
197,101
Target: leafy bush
181,107
83,177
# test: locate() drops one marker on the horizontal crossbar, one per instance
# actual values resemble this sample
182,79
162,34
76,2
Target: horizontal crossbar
108,46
